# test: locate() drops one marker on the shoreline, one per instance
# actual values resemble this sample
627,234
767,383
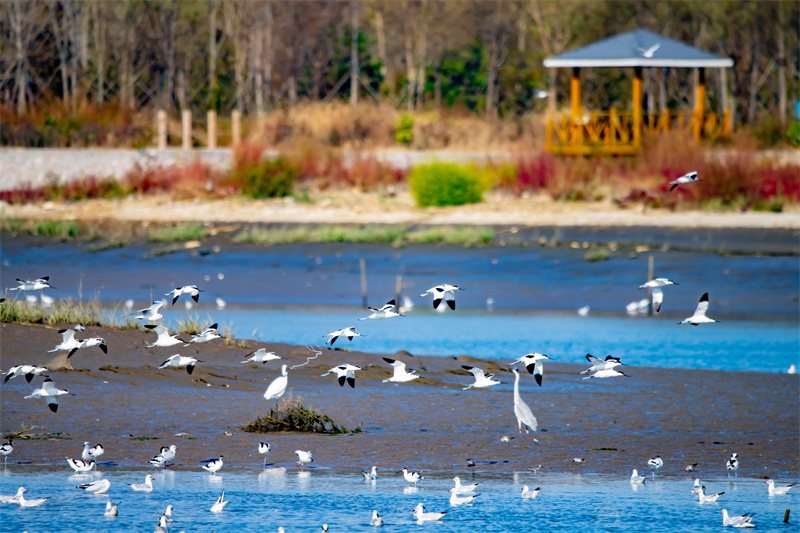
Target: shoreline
430,423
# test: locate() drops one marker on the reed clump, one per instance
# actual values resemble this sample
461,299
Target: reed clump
290,415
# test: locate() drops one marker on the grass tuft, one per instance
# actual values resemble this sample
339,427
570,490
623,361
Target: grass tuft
290,415
188,231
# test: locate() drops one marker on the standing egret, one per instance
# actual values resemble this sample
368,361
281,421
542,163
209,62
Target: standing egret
278,386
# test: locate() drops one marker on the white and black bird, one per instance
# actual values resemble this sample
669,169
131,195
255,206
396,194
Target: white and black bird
81,466
68,342
5,449
732,465
482,380
14,498
743,521
181,361
636,478
344,373
370,475
421,516
278,385
263,449
400,374
533,363
49,392
149,314
521,410
778,491
601,364
655,463
387,311
87,343
111,509
164,338
710,498
348,332
656,286
209,334
376,520
699,316
164,458
220,504
35,285
528,494
443,292
607,373
214,466
147,486
100,486
412,477
191,290
92,452
303,457
686,178
261,356
29,371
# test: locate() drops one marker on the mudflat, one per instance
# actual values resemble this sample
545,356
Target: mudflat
122,401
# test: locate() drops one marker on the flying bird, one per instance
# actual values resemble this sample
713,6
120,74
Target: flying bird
344,372
699,316
49,392
261,356
86,343
400,375
181,361
655,286
29,371
68,342
533,363
187,289
164,338
387,311
35,285
686,178
650,51
149,314
601,364
348,332
208,335
444,291
481,380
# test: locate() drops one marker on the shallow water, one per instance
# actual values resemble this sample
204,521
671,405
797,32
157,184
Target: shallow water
303,501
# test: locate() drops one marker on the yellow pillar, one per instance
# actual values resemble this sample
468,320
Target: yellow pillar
700,105
575,92
637,106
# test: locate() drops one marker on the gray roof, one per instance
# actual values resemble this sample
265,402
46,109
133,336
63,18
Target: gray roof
638,48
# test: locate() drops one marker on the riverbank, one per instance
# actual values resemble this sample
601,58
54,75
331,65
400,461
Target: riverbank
124,402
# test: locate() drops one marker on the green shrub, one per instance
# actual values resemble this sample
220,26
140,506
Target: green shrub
793,133
404,131
441,184
267,178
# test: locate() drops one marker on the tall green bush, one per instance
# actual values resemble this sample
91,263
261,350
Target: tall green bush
441,184
268,178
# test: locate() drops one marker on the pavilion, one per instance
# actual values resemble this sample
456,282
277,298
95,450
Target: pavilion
620,132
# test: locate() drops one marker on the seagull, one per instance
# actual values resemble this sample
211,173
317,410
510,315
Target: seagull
600,364
100,486
263,449
86,343
49,392
636,478
181,361
169,453
163,521
708,499
455,499
780,491
463,489
371,474
29,503
655,463
303,457
213,466
220,504
400,375
696,487
521,409
111,509
387,311
655,286
606,373
533,362
149,313
446,292
686,178
80,466
68,342
530,494
422,516
344,373
733,463
412,477
650,51
348,332
481,380
584,311
376,520
25,370
164,338
278,385
187,289
168,513
737,521
261,356
208,335
6,449
13,499
89,453
35,285
221,304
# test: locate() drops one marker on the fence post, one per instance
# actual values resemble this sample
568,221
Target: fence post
236,126
212,129
162,129
186,130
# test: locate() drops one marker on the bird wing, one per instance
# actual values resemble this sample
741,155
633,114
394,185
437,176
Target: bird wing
658,297
702,306
538,370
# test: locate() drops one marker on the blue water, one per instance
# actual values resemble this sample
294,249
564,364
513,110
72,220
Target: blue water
303,501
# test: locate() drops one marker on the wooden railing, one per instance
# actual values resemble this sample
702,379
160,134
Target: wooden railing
614,132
